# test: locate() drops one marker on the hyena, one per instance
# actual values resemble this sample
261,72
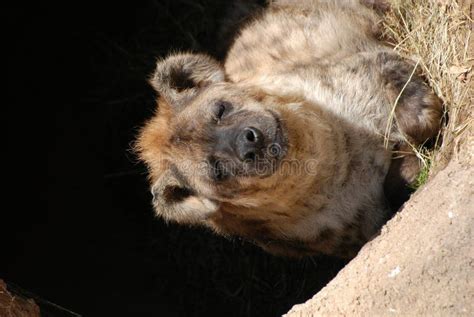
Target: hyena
304,82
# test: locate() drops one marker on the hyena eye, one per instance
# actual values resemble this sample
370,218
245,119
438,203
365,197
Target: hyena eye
221,108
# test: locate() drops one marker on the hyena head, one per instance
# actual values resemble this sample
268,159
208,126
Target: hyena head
219,148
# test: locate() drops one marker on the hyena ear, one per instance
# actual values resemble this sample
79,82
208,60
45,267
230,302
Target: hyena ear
180,77
175,201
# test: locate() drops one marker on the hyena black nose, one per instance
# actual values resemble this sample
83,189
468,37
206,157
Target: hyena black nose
249,144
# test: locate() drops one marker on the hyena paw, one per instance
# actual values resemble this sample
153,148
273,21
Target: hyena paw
377,5
418,111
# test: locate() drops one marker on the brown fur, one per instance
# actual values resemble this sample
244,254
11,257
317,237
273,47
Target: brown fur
312,76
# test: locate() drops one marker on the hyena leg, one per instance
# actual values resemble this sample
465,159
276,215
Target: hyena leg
403,171
418,115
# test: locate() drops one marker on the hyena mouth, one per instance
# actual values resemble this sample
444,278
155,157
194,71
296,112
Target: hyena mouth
223,170
219,170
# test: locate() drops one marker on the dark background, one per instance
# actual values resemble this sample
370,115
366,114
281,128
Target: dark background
77,225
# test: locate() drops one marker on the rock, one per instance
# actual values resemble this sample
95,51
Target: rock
421,264
16,306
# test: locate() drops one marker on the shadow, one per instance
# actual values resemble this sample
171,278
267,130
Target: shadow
82,233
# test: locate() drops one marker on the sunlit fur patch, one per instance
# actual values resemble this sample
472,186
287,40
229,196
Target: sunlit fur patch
313,86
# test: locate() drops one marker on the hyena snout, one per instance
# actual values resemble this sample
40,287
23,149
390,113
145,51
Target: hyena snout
239,151
236,152
249,144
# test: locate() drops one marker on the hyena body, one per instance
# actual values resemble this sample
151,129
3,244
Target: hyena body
309,79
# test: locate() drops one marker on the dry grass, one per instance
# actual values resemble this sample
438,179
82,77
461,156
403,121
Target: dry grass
191,270
436,34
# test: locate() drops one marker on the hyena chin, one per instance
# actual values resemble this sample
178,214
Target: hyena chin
289,141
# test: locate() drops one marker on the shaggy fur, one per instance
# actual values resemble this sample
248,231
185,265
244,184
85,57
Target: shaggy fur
312,76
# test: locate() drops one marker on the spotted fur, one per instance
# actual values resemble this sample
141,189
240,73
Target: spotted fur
314,73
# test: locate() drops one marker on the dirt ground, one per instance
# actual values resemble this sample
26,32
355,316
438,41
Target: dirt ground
422,263
83,234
